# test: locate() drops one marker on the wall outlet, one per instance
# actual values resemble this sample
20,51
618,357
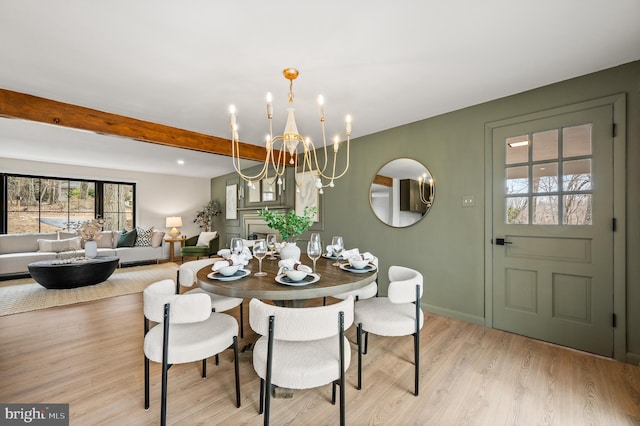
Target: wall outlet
468,201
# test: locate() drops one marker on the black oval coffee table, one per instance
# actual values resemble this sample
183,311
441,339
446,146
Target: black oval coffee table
71,275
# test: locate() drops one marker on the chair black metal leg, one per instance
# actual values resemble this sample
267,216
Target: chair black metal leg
146,383
165,366
324,301
341,337
267,390
366,342
178,281
416,341
333,393
204,368
261,397
359,340
242,320
217,359
237,369
416,354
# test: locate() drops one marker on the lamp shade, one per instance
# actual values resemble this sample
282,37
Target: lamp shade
173,222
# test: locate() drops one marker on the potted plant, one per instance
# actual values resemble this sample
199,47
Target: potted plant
204,217
89,230
290,225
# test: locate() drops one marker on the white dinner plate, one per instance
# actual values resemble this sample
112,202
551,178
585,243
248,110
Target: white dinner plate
309,279
240,273
348,268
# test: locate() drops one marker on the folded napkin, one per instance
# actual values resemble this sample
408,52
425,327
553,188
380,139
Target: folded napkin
332,252
348,253
287,264
226,253
233,259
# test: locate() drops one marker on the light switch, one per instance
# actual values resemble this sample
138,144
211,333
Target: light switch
468,201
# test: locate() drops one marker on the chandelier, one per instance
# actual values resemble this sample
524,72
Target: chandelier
422,181
300,149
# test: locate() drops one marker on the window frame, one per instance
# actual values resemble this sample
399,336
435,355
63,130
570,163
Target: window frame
98,198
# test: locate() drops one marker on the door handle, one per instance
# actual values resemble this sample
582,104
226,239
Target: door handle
501,242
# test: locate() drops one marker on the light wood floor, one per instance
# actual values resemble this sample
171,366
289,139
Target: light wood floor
90,356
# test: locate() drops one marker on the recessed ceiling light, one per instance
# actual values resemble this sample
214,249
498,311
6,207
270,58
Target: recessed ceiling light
517,144
181,162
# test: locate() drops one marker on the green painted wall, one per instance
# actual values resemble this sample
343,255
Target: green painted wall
448,246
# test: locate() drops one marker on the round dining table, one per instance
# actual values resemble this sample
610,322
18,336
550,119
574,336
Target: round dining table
333,280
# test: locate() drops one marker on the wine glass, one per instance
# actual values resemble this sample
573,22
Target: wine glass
236,246
272,240
338,246
315,237
260,251
314,250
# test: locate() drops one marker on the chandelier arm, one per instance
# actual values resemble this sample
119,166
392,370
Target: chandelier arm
236,160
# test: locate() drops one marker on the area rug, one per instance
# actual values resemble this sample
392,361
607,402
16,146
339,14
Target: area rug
23,295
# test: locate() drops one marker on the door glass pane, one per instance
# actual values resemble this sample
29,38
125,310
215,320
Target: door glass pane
545,145
517,180
576,141
517,149
545,210
545,177
577,209
517,209
576,175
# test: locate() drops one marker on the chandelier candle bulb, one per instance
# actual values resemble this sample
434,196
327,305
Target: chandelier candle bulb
269,105
321,107
336,144
347,125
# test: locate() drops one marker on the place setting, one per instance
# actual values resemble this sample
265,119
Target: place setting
231,268
294,273
356,262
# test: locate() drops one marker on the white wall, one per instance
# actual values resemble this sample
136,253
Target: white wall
158,196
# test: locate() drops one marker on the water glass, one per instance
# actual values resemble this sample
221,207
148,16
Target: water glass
314,251
338,246
236,246
260,251
272,240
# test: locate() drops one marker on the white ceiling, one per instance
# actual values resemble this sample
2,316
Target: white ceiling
385,63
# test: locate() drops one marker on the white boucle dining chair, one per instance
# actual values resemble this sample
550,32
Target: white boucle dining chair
398,314
186,331
186,277
301,348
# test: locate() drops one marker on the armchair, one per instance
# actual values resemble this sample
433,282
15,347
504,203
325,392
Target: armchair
191,249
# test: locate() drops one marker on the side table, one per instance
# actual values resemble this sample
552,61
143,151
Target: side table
171,242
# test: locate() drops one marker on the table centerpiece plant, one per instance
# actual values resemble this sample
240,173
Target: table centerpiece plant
289,225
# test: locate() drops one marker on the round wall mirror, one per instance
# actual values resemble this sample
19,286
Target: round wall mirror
402,192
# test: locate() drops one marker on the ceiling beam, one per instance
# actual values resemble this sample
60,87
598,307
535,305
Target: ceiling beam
33,108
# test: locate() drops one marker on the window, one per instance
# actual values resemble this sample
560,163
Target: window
548,177
46,204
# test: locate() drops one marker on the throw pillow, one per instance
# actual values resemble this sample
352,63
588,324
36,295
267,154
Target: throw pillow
156,238
144,237
59,245
205,237
127,238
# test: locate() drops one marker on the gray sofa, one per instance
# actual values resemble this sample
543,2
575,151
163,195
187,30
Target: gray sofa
18,250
